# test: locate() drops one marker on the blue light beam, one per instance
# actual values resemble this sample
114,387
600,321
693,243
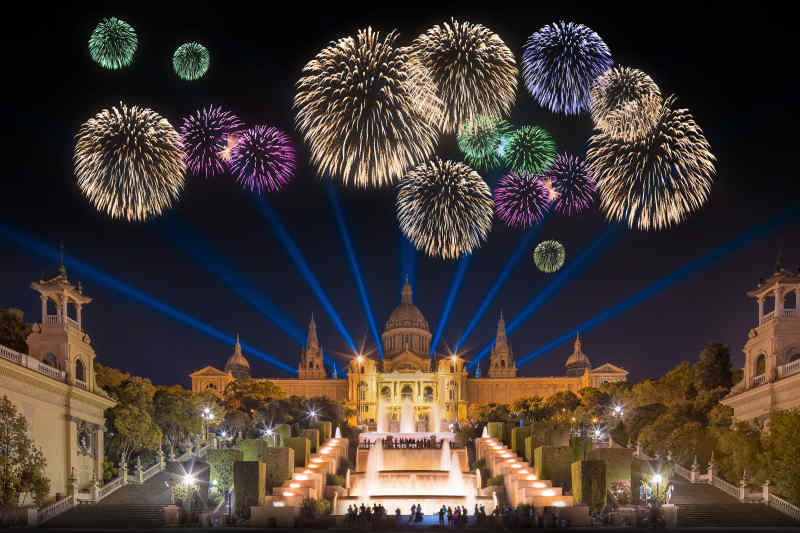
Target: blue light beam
336,206
681,274
183,238
280,231
50,253
455,285
573,268
408,261
522,247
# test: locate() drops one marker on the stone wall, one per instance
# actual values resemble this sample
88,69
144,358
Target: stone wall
302,450
335,389
506,390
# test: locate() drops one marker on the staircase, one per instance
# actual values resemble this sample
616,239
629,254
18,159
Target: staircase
754,515
110,516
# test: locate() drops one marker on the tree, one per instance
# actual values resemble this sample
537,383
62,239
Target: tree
533,409
488,412
134,430
249,394
108,378
563,403
22,463
783,450
13,330
714,367
175,414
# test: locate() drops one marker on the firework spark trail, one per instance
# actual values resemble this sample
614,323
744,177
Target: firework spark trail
263,159
205,137
655,182
625,103
128,162
573,184
521,200
559,64
444,208
472,69
113,43
480,139
361,108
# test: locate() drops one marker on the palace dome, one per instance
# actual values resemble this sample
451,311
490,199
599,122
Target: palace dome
578,362
406,315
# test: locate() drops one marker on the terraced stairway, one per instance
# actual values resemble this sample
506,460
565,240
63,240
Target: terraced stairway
111,516
754,515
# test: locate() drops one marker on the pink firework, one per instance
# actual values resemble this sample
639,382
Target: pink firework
204,137
263,159
572,183
521,200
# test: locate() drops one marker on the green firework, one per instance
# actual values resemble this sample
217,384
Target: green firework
480,141
549,256
113,43
529,149
190,61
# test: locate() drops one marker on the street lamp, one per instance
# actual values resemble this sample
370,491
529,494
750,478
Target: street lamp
269,432
189,481
657,479
207,416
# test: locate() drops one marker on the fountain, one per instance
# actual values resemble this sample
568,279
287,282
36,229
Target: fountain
407,422
445,456
456,478
485,434
436,418
374,467
382,417
338,434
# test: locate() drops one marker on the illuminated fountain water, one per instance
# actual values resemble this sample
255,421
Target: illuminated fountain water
338,434
374,467
485,433
383,422
436,418
407,423
445,465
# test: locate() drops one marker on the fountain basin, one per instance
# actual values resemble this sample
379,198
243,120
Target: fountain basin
430,503
372,436
404,459
411,483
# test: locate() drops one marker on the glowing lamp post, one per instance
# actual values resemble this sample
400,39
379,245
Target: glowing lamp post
207,416
657,479
189,482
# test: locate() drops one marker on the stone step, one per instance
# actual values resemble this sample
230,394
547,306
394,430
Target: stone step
110,516
731,515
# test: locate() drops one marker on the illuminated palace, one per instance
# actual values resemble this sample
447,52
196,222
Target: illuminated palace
407,371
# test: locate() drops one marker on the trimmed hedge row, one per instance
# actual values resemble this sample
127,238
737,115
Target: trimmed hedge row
313,437
325,428
518,436
221,466
617,461
553,463
302,450
589,483
280,465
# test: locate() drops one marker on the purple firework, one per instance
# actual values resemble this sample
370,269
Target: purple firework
521,200
572,183
263,159
560,62
204,137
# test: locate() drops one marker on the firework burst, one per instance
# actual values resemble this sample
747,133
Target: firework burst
361,108
549,256
625,103
263,159
521,200
190,61
128,162
444,208
572,184
529,149
206,137
472,69
653,183
480,139
560,62
113,43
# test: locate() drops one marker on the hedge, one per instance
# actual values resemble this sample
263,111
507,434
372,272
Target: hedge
618,463
280,465
253,449
302,450
284,431
518,436
221,466
249,484
529,449
325,428
496,430
553,463
589,484
313,436
576,444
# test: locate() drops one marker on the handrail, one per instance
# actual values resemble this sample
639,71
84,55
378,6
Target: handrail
152,471
788,369
109,487
726,487
54,509
681,471
779,504
32,363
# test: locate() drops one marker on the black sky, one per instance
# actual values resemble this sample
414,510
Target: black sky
728,66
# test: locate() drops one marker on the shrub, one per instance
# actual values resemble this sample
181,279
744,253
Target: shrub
335,479
518,436
284,431
496,480
344,466
301,447
589,483
325,428
621,491
495,430
553,463
221,466
617,461
313,437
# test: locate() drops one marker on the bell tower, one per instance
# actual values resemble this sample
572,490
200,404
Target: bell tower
501,361
311,362
59,340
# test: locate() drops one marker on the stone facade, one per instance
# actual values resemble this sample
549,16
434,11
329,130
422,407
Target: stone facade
772,352
53,386
439,387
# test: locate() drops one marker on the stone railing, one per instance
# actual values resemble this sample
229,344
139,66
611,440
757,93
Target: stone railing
789,312
54,509
789,368
783,506
683,472
31,363
726,487
110,487
81,384
759,380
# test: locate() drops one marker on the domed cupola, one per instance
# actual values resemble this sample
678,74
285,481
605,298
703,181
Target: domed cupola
237,365
406,329
578,362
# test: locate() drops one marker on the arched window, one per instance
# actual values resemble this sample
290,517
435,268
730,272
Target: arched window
80,371
406,392
428,394
362,391
50,359
386,393
362,369
503,363
792,355
761,364
211,386
452,387
452,369
790,300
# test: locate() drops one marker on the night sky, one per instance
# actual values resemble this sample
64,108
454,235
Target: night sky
726,65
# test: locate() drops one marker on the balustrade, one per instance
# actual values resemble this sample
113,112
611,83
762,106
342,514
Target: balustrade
789,368
31,363
759,380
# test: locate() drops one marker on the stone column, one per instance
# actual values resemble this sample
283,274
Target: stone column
710,472
73,486
95,487
162,464
765,492
123,471
44,309
694,471
742,486
139,470
760,309
778,301
78,309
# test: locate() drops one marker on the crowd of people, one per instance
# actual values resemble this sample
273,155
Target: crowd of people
371,515
406,443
